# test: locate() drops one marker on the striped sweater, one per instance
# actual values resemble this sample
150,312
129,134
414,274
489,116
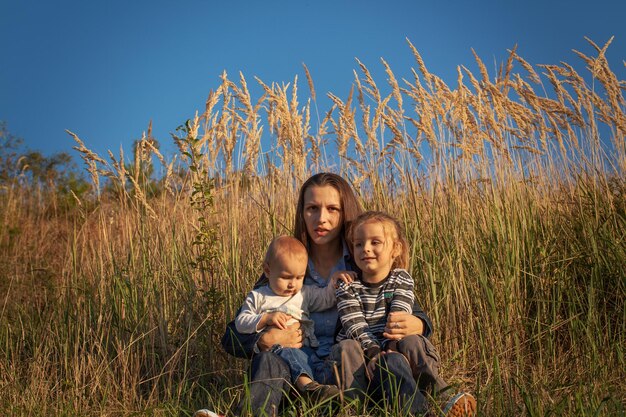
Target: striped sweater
363,307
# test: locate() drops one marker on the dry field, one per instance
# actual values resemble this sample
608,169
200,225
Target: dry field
511,186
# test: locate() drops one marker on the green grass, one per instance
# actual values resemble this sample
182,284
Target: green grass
528,301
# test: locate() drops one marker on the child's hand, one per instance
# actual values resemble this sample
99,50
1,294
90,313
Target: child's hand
346,276
372,352
391,346
278,319
372,356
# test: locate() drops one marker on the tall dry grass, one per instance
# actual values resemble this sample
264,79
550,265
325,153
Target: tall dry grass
511,187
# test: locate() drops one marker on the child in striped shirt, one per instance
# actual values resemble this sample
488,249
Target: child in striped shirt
381,251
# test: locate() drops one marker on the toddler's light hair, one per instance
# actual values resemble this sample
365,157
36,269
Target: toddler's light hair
284,246
392,228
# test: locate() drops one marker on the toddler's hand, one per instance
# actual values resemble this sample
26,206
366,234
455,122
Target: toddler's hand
278,319
346,276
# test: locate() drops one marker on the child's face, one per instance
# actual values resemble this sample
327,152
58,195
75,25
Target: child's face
374,250
286,274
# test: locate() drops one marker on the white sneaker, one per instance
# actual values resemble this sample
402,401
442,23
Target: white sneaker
206,413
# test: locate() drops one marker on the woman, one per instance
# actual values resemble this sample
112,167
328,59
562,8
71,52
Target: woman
326,204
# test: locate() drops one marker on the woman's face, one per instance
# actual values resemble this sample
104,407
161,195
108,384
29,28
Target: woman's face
322,214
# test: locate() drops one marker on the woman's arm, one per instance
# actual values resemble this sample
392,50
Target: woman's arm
291,337
238,344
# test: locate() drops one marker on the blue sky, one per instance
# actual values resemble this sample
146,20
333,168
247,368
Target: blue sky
104,69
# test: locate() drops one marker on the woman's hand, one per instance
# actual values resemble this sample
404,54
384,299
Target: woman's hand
289,337
401,324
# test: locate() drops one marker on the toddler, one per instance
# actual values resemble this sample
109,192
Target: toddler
282,302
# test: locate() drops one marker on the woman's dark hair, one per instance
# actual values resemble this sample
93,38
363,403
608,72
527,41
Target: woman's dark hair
350,206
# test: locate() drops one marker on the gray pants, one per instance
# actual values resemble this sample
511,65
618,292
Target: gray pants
424,362
422,357
350,362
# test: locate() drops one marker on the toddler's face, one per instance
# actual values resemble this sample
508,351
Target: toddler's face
286,274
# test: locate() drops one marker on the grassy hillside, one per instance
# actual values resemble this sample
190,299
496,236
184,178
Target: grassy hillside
511,186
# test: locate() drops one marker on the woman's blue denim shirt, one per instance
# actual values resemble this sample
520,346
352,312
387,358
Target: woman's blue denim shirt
326,321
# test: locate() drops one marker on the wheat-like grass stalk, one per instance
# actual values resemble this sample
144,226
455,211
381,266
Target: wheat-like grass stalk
91,159
370,86
309,81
